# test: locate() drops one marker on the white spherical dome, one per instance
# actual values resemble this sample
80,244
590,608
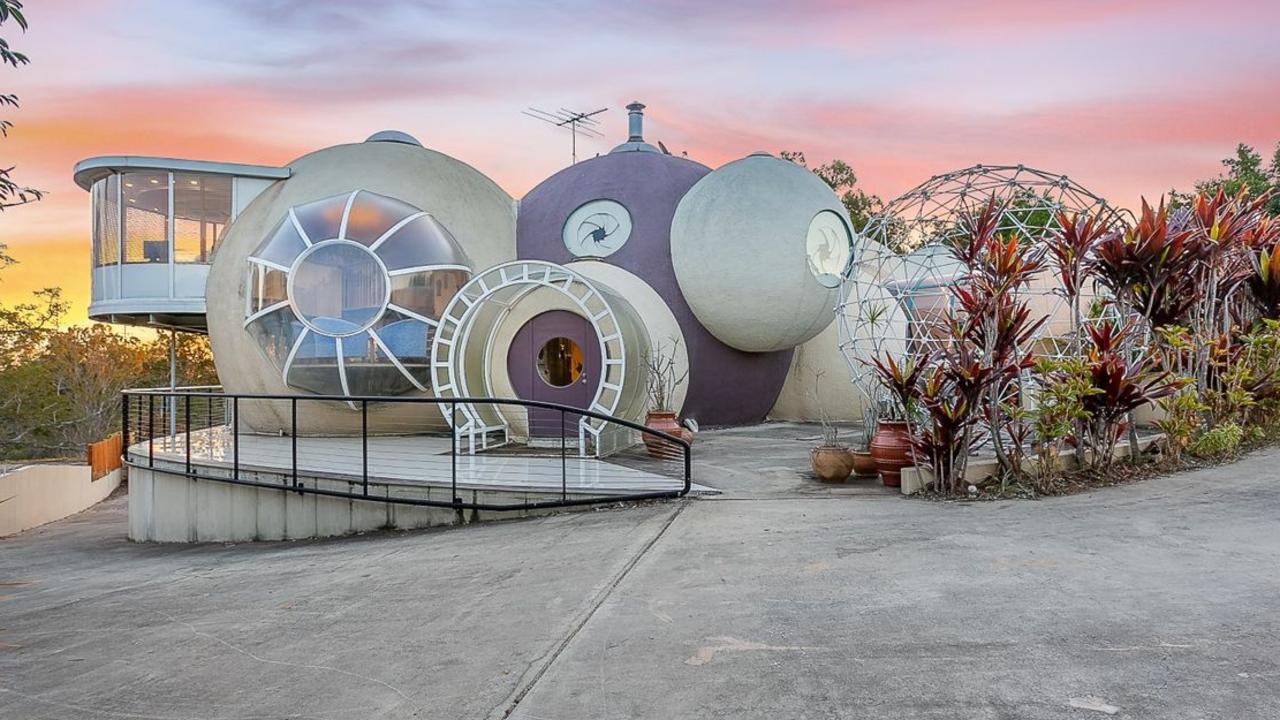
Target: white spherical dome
329,282
759,247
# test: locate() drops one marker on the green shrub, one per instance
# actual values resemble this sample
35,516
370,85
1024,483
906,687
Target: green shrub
1217,442
1182,419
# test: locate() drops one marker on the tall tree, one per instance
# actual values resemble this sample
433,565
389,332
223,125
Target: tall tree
11,193
839,175
24,325
1243,171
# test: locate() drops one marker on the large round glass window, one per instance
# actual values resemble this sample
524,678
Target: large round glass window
560,362
345,294
338,288
829,247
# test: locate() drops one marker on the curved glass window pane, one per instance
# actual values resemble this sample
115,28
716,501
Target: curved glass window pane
315,366
409,340
368,370
321,219
372,215
106,220
276,333
145,198
427,292
284,246
422,242
269,287
201,211
338,288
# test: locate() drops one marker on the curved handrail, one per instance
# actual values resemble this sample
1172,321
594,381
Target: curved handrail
211,393
357,399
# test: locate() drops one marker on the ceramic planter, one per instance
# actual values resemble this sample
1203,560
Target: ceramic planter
831,464
863,464
891,449
664,421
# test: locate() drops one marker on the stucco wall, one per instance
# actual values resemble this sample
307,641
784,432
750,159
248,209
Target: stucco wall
479,214
168,507
725,386
39,494
805,396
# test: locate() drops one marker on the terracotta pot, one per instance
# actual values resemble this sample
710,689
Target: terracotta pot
863,464
891,449
831,464
665,421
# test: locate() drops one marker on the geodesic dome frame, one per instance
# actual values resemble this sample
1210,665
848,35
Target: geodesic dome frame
895,299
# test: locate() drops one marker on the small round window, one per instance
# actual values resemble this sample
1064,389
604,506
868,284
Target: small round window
829,247
560,362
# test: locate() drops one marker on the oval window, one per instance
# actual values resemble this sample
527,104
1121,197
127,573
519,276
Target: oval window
560,362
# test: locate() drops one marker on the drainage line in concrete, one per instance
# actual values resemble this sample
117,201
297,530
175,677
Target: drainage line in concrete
521,692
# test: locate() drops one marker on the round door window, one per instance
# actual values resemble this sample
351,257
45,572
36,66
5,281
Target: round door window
560,362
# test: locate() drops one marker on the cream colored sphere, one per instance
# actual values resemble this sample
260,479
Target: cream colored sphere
478,214
758,248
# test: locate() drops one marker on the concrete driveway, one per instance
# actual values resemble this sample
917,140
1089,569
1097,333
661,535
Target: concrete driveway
773,600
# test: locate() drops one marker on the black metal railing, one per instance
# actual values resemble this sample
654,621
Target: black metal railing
205,434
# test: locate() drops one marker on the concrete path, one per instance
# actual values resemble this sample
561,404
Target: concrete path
773,600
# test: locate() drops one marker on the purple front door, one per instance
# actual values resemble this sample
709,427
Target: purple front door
555,358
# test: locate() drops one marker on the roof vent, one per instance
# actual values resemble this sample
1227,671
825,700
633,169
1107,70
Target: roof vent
635,122
635,131
394,136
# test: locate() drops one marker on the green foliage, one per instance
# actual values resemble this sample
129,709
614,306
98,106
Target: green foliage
1059,409
11,193
1218,441
60,388
839,175
1125,383
1182,419
1243,171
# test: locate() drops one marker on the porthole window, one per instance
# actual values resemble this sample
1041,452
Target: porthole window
560,362
346,292
829,247
597,229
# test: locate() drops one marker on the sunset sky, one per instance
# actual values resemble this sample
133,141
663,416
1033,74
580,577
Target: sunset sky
1128,98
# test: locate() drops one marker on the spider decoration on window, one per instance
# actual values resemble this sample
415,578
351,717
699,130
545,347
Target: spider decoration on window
598,228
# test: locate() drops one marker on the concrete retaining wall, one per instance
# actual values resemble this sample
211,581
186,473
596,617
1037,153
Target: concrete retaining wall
39,494
169,507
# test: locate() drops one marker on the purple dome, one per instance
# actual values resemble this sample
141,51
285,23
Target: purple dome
725,386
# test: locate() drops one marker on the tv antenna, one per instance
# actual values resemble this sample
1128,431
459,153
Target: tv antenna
578,123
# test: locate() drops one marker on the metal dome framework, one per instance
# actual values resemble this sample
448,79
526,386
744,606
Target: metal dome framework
895,299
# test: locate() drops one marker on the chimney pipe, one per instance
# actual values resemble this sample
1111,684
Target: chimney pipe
635,122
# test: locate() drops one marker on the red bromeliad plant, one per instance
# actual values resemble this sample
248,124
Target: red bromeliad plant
1263,283
1227,230
952,397
1121,386
1073,253
994,325
1150,268
964,397
902,380
1072,250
